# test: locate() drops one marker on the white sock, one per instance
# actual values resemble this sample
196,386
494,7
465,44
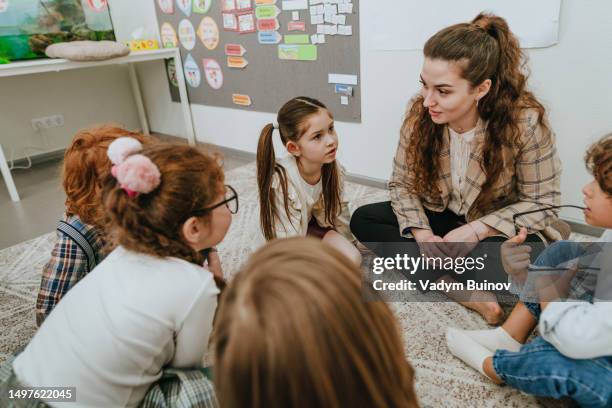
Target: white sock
467,349
494,339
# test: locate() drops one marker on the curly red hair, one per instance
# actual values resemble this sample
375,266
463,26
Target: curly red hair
85,167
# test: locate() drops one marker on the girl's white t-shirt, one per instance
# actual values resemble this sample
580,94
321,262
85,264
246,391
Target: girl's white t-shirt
313,192
112,334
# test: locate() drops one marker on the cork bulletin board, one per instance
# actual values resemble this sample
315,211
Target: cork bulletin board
257,54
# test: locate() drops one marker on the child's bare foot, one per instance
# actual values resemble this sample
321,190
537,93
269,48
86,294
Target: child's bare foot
490,310
487,367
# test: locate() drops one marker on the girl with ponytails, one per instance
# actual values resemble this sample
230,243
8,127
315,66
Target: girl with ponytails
475,148
303,193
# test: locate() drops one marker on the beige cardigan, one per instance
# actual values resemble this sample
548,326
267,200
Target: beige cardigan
301,204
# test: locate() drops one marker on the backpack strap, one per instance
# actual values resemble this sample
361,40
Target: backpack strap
73,233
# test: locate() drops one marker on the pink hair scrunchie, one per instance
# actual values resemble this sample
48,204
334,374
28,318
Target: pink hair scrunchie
135,173
121,148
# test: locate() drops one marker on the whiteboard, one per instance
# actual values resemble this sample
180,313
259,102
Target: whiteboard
407,24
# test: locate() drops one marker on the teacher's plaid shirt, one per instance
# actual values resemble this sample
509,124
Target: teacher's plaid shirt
67,266
531,175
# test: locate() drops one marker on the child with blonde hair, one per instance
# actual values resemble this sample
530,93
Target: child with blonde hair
294,331
303,193
149,305
573,356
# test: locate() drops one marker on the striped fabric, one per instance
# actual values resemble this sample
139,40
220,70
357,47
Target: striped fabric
71,259
532,177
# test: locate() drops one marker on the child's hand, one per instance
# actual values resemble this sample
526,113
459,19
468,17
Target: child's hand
516,257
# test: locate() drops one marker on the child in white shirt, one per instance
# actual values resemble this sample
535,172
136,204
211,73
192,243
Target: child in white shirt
303,193
573,356
150,304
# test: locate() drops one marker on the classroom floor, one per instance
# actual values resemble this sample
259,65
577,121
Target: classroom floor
441,379
42,201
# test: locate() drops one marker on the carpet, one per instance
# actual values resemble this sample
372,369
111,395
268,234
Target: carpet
441,379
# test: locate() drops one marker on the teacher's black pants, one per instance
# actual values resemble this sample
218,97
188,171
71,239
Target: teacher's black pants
375,225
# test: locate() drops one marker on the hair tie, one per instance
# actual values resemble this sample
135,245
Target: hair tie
275,125
135,173
121,148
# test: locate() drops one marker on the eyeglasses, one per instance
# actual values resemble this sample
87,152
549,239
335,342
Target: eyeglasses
546,208
230,201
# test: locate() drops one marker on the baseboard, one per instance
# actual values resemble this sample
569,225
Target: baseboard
41,157
235,153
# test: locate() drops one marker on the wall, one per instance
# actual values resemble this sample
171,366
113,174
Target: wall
83,97
572,78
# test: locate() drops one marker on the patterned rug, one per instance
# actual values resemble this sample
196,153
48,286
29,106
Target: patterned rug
441,379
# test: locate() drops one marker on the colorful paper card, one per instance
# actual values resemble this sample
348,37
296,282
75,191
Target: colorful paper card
246,23
184,6
297,39
266,12
201,6
213,73
343,89
268,24
235,50
244,5
230,22
297,52
242,100
269,37
237,62
228,5
296,26
295,4
166,6
342,79
208,32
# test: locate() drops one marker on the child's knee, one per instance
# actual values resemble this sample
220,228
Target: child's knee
343,245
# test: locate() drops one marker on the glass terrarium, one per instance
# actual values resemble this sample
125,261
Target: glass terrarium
27,27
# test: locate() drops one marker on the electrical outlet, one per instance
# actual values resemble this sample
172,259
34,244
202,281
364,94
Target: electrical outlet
47,122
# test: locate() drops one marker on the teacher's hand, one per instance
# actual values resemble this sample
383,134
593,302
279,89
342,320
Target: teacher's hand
430,244
461,241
